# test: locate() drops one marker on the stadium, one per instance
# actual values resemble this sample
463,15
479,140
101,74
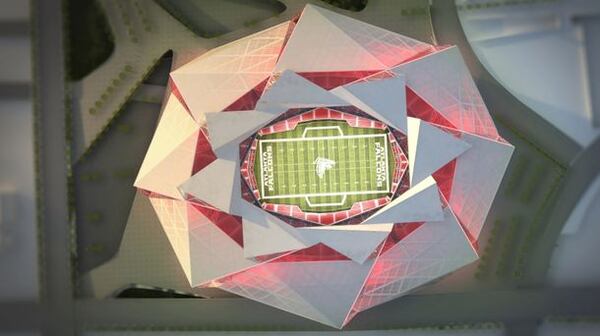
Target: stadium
323,166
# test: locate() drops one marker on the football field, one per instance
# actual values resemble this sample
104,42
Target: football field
323,166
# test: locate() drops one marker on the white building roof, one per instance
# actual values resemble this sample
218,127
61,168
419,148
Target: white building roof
415,238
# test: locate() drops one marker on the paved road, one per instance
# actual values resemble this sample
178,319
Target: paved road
518,309
57,291
14,28
582,171
516,306
16,91
20,316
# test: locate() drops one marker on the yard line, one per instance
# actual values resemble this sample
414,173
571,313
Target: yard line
309,168
387,166
309,163
262,178
329,137
369,192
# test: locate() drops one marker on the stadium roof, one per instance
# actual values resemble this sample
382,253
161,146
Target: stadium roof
423,93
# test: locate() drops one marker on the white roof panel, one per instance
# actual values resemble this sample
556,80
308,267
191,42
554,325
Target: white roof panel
174,169
430,148
233,127
443,80
316,44
170,156
204,251
321,291
384,99
217,184
226,73
267,234
356,242
213,253
174,127
387,47
292,91
477,176
172,215
418,204
429,252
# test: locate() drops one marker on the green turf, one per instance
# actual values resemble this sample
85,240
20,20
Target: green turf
293,170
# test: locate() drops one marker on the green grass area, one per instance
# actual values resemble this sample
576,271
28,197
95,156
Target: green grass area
351,5
89,40
213,18
323,166
500,3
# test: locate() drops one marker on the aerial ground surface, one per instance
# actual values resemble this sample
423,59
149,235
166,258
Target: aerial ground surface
98,237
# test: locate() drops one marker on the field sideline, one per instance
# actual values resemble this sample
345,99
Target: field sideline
323,165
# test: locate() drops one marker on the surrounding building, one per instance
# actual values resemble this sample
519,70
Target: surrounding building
509,41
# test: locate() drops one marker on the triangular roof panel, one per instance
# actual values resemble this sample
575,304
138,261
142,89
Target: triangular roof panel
232,127
175,168
477,180
387,47
204,251
213,253
321,291
443,80
175,131
173,219
292,91
217,184
419,203
266,234
316,44
430,148
431,251
357,242
228,72
384,99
